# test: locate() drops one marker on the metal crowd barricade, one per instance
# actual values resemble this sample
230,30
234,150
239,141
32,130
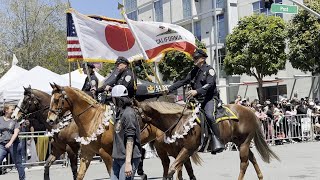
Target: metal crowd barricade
33,154
290,129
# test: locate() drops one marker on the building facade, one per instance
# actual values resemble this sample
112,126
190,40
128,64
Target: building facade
211,21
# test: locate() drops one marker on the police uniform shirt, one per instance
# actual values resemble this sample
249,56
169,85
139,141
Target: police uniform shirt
203,80
126,78
87,84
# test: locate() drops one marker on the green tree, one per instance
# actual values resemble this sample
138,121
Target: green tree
304,40
175,65
35,30
256,48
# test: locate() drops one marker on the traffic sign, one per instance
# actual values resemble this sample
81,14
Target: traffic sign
282,8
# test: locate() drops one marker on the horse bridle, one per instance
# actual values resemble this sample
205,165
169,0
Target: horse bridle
64,98
35,101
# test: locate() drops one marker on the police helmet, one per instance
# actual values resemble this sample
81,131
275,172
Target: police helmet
198,53
123,60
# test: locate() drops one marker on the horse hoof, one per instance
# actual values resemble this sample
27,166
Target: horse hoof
193,178
144,177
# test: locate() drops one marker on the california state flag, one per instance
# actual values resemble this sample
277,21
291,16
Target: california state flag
105,41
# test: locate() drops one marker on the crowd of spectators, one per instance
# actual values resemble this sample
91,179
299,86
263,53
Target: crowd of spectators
287,119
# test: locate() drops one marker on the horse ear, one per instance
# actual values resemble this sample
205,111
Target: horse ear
51,85
29,87
57,86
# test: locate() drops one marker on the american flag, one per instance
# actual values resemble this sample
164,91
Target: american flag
74,50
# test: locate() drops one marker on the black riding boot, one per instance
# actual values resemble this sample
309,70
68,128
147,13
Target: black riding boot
217,145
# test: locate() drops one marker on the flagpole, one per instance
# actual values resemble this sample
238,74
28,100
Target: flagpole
144,54
69,6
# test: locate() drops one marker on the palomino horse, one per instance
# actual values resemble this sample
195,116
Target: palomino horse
87,114
166,115
35,105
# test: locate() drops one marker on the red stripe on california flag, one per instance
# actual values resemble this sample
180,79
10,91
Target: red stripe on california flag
182,46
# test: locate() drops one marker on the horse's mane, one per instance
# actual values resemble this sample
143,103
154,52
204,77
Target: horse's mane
36,91
99,114
84,96
163,107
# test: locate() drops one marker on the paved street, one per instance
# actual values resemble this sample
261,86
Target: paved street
298,161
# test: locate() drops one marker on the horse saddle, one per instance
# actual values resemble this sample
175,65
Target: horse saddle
225,113
222,113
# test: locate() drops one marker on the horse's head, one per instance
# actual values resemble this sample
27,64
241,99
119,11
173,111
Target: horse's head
28,104
59,104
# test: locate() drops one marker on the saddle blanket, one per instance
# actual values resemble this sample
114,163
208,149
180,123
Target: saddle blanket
222,114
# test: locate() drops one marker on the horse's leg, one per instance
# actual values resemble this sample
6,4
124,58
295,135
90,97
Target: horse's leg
107,159
179,173
162,153
244,156
255,165
86,156
48,163
189,169
140,171
72,151
180,159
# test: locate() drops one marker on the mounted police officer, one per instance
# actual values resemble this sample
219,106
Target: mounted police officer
202,79
121,75
91,84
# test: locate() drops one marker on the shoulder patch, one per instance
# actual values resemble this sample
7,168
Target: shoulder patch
128,78
212,72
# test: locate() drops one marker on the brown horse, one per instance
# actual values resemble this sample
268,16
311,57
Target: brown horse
163,150
165,115
35,105
87,114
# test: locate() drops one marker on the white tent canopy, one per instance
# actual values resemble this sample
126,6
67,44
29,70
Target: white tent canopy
38,77
77,76
11,74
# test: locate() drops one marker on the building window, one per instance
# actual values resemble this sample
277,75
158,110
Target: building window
130,5
186,8
221,56
258,7
158,7
221,28
188,27
133,15
219,3
197,30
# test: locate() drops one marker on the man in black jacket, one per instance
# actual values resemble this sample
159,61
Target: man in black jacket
126,140
202,79
121,75
91,84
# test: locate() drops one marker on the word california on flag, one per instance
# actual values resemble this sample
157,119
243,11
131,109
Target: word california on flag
105,41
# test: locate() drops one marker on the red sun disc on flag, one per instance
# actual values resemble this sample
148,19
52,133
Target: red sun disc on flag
118,38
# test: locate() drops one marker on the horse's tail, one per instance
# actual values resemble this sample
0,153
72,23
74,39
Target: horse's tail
265,152
196,159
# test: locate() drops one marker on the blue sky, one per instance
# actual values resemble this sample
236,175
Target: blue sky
107,8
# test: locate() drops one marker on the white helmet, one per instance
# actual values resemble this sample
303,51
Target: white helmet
119,91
